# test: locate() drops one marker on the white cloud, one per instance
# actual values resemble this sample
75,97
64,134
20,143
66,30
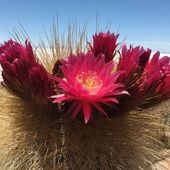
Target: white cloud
156,44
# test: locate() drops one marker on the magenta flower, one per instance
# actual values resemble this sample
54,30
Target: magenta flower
12,51
16,60
88,82
132,61
153,84
164,87
21,72
155,78
104,43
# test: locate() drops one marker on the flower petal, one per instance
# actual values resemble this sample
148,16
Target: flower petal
86,111
99,108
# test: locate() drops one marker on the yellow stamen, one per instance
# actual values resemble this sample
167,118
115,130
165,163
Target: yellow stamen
90,81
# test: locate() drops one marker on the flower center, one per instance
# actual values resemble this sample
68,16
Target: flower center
90,81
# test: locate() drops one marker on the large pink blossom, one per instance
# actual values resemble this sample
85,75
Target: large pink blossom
88,82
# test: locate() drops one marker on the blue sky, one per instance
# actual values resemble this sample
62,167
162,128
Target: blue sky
143,22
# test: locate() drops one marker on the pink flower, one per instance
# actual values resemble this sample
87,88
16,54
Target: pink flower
104,43
132,61
163,88
13,54
21,72
88,82
16,60
153,84
156,75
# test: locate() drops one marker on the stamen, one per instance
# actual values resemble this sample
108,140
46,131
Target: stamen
90,81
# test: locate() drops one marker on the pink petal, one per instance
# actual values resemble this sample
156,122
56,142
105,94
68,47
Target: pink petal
57,96
98,107
154,62
76,110
62,98
109,99
86,111
110,105
117,92
72,106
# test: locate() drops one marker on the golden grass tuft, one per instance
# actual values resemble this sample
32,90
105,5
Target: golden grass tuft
61,45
